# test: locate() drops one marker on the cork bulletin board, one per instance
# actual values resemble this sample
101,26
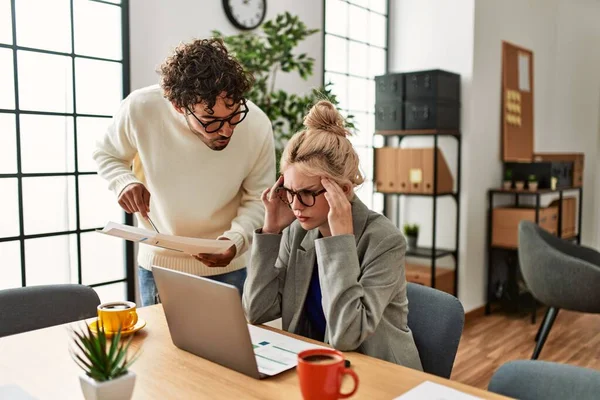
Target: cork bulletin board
517,103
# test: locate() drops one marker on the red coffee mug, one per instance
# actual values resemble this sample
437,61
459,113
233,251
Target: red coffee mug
321,372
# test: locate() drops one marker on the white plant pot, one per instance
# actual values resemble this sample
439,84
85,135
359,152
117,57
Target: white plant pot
118,389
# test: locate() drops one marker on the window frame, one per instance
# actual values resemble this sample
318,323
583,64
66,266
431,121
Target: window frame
371,107
129,260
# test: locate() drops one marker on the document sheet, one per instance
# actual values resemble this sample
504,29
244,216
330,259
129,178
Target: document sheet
178,243
434,391
275,352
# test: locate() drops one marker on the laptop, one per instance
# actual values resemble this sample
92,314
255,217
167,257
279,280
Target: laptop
206,318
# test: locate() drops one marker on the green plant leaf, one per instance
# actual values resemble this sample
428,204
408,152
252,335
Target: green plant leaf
101,359
114,345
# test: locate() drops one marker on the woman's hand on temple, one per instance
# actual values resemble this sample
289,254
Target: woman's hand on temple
278,215
340,209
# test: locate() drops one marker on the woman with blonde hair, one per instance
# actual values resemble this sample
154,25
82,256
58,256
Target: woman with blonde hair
332,269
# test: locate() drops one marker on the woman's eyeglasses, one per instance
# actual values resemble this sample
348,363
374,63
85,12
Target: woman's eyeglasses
216,124
306,197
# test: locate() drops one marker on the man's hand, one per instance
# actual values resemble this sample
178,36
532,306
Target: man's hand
135,198
218,260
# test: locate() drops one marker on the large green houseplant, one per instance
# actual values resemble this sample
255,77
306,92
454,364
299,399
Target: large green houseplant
268,54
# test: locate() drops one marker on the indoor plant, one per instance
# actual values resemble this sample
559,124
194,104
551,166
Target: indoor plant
532,183
519,185
266,56
105,363
507,179
412,235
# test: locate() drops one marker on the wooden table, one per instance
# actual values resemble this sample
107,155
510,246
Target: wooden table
39,362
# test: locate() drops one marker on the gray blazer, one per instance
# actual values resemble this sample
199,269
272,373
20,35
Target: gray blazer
362,283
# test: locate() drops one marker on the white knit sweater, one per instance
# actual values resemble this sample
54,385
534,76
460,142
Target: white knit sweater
195,191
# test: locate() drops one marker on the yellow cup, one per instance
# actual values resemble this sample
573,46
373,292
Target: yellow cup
117,313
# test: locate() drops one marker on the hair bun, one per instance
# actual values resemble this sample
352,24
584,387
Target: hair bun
323,116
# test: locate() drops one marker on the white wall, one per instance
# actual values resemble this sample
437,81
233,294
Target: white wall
466,37
576,100
157,26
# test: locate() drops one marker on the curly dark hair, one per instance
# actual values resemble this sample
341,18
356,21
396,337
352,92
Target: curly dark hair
198,72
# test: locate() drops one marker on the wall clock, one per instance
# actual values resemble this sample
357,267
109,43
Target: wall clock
245,14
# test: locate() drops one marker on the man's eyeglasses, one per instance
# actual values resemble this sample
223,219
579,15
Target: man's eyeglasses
216,124
306,197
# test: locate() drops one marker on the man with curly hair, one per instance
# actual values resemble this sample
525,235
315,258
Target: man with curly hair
191,175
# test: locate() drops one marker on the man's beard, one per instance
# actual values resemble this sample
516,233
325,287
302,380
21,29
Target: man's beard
211,143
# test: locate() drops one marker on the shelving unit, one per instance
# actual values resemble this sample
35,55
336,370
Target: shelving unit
494,252
432,253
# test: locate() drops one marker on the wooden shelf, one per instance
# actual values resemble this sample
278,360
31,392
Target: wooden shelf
430,132
417,194
514,248
525,191
426,252
421,274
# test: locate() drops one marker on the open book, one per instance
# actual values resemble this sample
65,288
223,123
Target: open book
183,244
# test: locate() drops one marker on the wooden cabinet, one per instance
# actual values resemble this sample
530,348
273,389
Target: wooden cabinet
421,274
569,216
505,222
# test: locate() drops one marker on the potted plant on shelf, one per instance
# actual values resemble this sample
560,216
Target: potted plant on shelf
507,179
532,183
106,364
519,185
412,235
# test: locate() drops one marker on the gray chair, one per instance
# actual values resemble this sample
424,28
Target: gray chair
541,380
35,307
560,274
436,320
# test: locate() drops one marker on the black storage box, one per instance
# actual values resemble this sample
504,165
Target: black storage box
543,171
431,114
389,88
434,84
389,116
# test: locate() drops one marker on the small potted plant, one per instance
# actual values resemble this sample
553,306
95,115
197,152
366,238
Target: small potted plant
532,183
507,179
412,235
105,363
519,185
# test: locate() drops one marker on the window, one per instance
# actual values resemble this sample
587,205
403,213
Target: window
64,73
355,51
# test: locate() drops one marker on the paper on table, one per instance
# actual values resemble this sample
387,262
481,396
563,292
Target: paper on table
434,391
14,392
275,352
178,243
